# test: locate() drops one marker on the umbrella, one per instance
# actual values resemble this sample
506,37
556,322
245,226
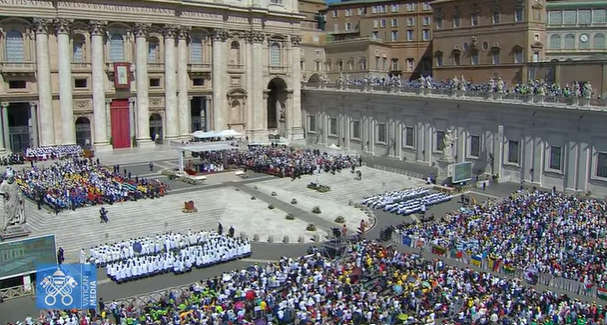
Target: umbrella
239,305
403,316
398,289
250,295
357,271
137,247
426,284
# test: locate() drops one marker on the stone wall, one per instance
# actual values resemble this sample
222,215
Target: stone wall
558,145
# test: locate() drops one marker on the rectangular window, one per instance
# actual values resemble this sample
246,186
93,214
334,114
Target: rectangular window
410,35
409,136
474,19
475,146
356,129
601,164
474,58
456,22
555,17
17,84
394,36
426,21
570,17
518,56
518,14
198,82
78,52
80,83
495,57
362,11
513,152
394,64
426,34
348,26
440,137
332,126
585,16
336,27
496,17
410,64
374,10
312,123
394,23
599,16
426,6
410,22
335,13
375,35
381,133
394,8
348,12
382,23
410,7
154,82
439,59
376,23
439,22
556,158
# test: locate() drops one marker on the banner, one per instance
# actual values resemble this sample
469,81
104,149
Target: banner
601,293
438,250
494,263
407,241
509,269
476,260
66,286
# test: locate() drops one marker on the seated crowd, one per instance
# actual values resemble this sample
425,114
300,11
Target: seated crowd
171,252
82,182
54,152
371,284
554,233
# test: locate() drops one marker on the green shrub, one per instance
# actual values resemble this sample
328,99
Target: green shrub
311,227
253,198
271,207
316,210
273,194
293,201
340,219
290,216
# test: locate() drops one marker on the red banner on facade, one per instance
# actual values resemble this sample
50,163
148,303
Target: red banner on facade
122,75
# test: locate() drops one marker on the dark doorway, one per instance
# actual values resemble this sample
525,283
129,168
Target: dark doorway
156,127
314,80
198,112
277,106
20,124
83,132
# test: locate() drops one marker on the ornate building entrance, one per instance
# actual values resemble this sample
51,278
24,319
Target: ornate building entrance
277,107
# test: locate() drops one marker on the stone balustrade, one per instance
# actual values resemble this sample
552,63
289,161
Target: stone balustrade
494,97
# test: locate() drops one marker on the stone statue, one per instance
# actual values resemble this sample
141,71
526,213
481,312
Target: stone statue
281,111
541,90
347,79
448,141
587,90
422,82
576,90
491,84
500,85
323,78
429,82
13,201
341,79
455,83
462,84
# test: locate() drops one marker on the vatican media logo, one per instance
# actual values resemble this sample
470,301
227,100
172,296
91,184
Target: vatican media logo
66,286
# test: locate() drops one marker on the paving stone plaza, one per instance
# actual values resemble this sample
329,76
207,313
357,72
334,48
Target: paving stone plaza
224,198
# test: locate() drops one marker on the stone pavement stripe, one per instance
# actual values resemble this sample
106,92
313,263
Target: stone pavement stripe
288,208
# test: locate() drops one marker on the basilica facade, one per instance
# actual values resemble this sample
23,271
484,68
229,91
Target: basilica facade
116,75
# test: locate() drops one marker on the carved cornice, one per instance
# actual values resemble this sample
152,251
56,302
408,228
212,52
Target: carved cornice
97,27
220,35
141,30
183,33
254,37
42,25
296,40
63,26
236,34
170,31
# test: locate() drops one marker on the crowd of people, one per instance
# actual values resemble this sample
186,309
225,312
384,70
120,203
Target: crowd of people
370,284
550,232
54,152
70,184
574,89
170,252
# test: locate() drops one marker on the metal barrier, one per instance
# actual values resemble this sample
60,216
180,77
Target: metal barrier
17,292
396,171
497,266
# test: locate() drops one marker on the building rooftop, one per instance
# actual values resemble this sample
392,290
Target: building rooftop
574,4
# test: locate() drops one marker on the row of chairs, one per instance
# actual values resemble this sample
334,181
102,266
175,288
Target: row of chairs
380,201
415,205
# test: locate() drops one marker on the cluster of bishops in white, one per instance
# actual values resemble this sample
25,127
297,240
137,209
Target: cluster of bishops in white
170,252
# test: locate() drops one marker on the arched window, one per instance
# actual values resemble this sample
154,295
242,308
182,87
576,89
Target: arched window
196,51
78,49
14,47
153,50
555,42
363,64
275,60
569,42
116,48
598,42
235,53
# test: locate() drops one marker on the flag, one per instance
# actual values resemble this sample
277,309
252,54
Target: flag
509,269
438,250
407,241
602,293
476,260
494,263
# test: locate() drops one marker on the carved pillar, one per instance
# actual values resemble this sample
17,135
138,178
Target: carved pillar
100,120
68,127
143,110
34,124
257,94
44,81
4,135
107,111
219,72
250,112
183,101
170,82
132,117
296,125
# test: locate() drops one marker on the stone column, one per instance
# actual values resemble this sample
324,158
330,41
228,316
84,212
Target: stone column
250,118
170,83
297,123
43,76
34,123
108,117
132,117
219,71
100,121
257,94
208,117
183,101
143,111
4,119
68,128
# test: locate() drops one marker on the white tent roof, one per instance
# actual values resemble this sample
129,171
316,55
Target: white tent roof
198,134
205,135
334,147
229,133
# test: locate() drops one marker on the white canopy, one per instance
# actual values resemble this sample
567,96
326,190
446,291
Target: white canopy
198,134
204,135
228,133
334,147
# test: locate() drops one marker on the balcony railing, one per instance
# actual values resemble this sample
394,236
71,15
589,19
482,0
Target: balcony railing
199,67
278,69
17,67
236,67
344,31
155,66
496,97
81,66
